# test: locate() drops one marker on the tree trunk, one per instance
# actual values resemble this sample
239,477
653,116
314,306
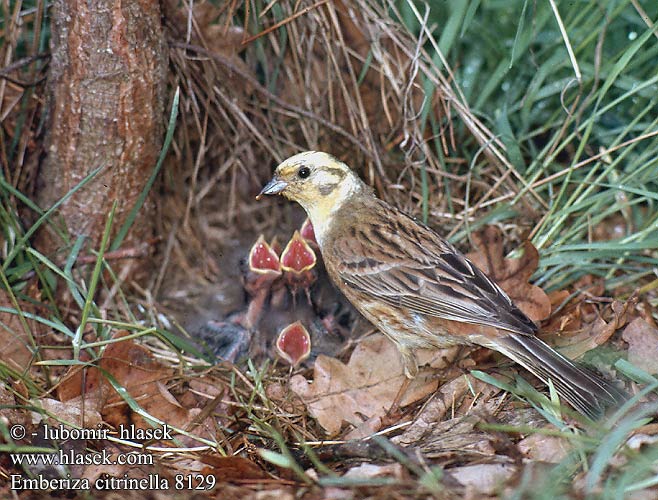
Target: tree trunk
106,96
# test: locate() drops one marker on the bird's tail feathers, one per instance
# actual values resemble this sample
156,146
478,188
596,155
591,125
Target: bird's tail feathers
588,393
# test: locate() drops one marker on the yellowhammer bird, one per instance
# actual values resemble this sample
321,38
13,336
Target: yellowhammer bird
416,287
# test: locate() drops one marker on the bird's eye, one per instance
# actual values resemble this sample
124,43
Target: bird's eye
304,172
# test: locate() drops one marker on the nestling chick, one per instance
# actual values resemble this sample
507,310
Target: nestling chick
298,262
416,287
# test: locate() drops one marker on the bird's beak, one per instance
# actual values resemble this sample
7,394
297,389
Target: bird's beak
275,186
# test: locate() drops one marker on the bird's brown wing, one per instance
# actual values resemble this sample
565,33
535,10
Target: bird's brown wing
403,263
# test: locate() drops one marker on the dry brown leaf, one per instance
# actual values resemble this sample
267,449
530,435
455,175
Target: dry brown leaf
16,343
577,310
449,397
458,436
642,341
11,411
365,429
486,479
275,494
282,396
24,343
597,332
73,412
565,313
232,468
81,382
544,448
362,389
368,470
439,359
512,275
135,369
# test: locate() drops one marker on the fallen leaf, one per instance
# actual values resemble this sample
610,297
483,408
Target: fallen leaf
365,429
455,439
232,468
511,275
136,370
281,395
449,393
565,316
438,358
642,341
276,494
12,412
81,381
368,470
485,478
571,312
429,425
72,412
544,448
26,341
17,344
363,388
595,333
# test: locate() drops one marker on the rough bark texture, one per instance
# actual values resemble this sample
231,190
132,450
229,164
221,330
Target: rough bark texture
106,92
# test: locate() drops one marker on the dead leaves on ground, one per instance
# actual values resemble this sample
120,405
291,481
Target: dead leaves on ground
610,318
362,391
16,338
642,339
24,340
194,406
133,368
96,395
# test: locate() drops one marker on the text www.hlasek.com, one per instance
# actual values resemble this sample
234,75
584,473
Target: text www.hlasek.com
71,457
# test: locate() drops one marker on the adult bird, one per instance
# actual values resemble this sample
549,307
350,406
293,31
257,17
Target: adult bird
417,288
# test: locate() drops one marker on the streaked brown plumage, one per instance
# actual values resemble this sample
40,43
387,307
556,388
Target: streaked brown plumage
416,287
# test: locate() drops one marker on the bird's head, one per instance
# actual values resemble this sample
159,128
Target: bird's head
317,181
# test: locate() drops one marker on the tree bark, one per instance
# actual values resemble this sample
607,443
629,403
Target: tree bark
106,98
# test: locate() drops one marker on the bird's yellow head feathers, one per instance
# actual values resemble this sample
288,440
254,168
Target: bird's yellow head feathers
318,182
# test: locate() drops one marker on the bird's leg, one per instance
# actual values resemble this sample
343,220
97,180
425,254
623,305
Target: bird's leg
410,370
395,406
409,361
